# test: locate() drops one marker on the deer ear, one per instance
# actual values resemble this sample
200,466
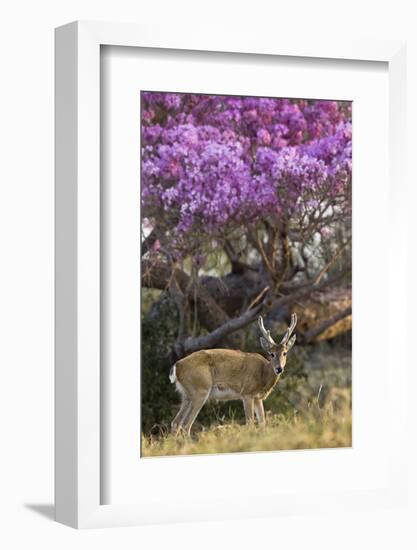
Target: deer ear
291,342
266,346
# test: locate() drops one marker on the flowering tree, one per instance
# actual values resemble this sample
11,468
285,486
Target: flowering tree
246,205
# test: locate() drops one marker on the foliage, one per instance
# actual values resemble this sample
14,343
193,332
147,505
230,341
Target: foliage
159,398
213,163
260,185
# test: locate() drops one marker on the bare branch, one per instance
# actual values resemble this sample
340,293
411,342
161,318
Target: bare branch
148,242
260,298
303,290
159,274
182,306
213,338
314,332
257,243
331,261
235,258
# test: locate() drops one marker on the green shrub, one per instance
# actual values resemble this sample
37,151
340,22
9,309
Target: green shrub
159,331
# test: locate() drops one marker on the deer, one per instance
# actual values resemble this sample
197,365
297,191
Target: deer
227,374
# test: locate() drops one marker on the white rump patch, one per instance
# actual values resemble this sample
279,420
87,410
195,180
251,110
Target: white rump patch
173,378
173,374
180,389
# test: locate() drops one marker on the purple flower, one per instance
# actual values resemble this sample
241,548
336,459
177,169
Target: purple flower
214,163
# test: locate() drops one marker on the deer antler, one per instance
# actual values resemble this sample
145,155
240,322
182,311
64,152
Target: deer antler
265,333
290,329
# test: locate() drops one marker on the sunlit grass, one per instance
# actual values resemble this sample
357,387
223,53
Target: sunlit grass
318,426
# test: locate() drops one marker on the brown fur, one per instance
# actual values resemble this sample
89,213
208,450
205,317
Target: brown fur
226,375
247,374
222,374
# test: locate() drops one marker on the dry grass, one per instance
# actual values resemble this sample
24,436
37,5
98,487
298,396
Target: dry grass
319,426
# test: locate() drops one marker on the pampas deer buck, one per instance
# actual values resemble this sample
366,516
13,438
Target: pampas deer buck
226,375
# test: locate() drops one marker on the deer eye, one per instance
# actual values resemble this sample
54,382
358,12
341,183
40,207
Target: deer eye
284,353
272,354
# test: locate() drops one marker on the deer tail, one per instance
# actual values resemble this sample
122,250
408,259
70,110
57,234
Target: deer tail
173,374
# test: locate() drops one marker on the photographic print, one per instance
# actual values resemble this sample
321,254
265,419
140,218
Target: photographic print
246,295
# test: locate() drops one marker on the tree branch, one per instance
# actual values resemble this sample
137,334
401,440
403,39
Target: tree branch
331,261
235,259
304,289
213,338
159,274
256,242
148,242
314,332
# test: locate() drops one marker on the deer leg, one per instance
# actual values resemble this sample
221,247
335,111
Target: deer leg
181,414
248,407
259,412
198,401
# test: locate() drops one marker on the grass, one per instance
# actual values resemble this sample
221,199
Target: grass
320,425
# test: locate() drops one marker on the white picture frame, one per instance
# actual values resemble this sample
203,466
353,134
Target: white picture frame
77,242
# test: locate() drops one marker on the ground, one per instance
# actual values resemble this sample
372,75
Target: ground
319,426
